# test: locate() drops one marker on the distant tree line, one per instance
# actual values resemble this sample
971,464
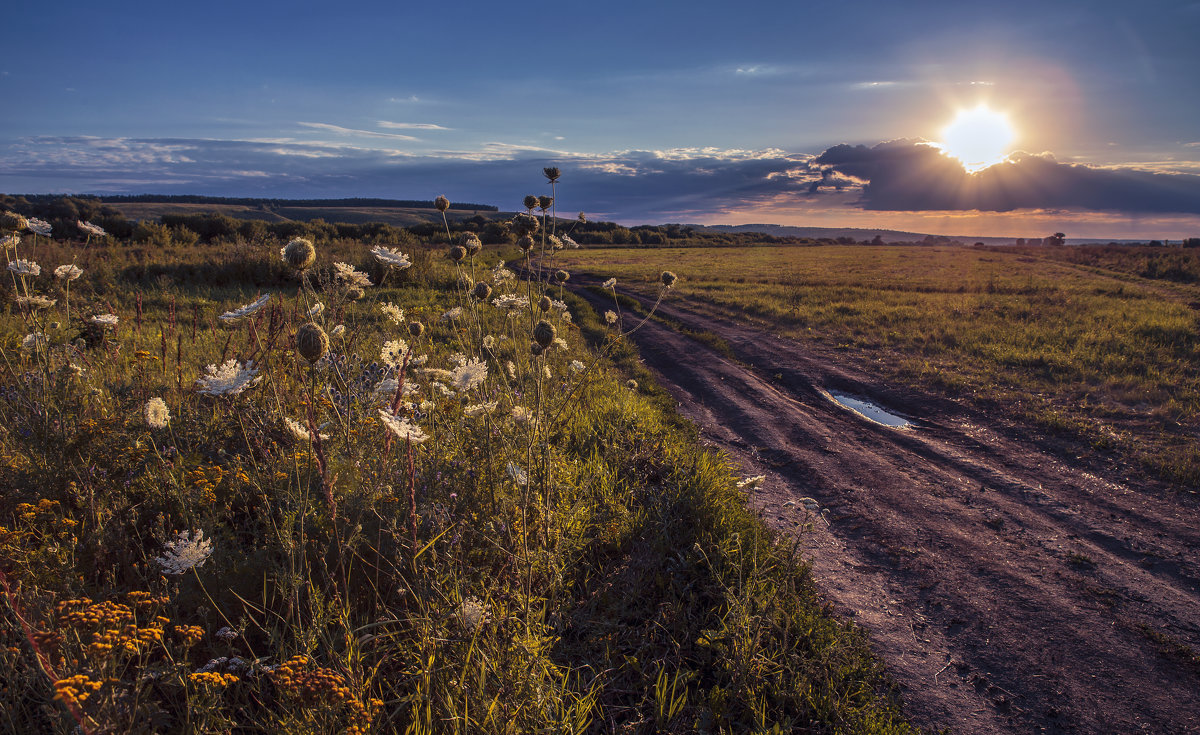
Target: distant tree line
271,203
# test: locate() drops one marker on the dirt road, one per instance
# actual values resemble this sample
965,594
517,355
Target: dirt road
1008,588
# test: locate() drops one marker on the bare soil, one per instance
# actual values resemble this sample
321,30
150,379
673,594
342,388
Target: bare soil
1010,583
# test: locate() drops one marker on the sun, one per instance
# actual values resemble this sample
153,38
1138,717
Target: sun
978,138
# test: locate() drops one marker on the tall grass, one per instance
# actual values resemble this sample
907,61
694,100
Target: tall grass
458,519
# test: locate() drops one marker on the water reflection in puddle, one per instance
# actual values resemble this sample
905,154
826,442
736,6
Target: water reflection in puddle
868,410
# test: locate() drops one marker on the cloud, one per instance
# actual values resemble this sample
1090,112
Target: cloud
409,126
352,131
912,175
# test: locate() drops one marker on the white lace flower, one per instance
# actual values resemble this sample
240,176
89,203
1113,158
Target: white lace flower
393,352
316,310
299,431
480,409
107,321
24,267
500,274
350,276
229,379
569,242
577,366
508,301
401,427
610,283
91,229
393,312
468,375
244,311
40,226
157,414
391,257
451,314
517,475
751,483
339,330
68,272
188,550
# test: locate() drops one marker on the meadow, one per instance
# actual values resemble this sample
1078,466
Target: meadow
314,487
1097,346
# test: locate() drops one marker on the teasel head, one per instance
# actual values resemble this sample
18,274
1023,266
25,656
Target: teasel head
530,201
311,342
544,333
544,303
482,291
416,329
300,254
457,253
441,204
552,173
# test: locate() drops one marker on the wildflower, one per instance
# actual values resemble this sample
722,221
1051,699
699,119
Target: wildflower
610,283
546,371
393,352
187,551
482,291
39,226
750,483
500,274
157,414
561,276
557,305
480,409
521,415
489,342
391,257
226,634
311,342
33,341
91,229
471,615
299,431
299,253
393,312
544,333
244,311
567,241
401,427
577,366
667,278
452,314
441,204
561,343
68,272
12,222
517,475
24,267
229,379
10,241
425,406
316,310
416,328
105,321
471,242
468,375
508,301
350,276
35,303
610,317
339,330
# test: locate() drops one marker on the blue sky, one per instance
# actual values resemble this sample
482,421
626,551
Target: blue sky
683,112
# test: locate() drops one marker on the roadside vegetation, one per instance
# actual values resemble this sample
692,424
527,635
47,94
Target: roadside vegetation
330,485
1096,345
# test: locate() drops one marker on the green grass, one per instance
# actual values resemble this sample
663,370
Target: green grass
623,583
1099,355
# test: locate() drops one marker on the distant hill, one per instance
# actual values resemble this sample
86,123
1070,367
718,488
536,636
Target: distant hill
267,202
861,234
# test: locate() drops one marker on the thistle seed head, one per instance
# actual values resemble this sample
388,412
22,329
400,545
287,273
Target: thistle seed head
416,329
667,278
311,342
544,333
441,204
300,254
530,201
552,173
457,253
482,291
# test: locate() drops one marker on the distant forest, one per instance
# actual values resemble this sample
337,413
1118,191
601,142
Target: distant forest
271,203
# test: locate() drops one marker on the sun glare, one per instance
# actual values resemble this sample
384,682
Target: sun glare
979,138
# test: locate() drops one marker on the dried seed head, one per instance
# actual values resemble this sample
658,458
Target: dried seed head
416,329
544,304
554,242
552,173
300,254
544,202
354,293
12,222
561,276
667,278
530,201
441,204
582,218
482,291
457,253
535,349
525,243
471,242
311,342
544,333
524,224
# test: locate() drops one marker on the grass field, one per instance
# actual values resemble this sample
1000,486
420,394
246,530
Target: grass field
396,216
1098,345
501,539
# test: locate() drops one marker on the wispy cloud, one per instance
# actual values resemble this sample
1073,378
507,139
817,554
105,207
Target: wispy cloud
409,126
338,129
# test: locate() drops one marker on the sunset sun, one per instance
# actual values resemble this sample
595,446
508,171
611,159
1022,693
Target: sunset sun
979,138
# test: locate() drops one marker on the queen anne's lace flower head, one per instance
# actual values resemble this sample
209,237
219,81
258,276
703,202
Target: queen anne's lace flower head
393,352
452,313
229,379
107,321
401,427
480,409
40,226
244,311
24,267
468,375
91,229
68,272
299,431
188,550
350,276
391,257
157,414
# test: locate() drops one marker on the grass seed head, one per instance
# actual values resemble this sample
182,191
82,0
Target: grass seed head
311,342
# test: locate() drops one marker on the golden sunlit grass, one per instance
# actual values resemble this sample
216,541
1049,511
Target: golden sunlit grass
1105,357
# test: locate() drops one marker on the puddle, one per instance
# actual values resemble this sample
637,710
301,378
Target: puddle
868,410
